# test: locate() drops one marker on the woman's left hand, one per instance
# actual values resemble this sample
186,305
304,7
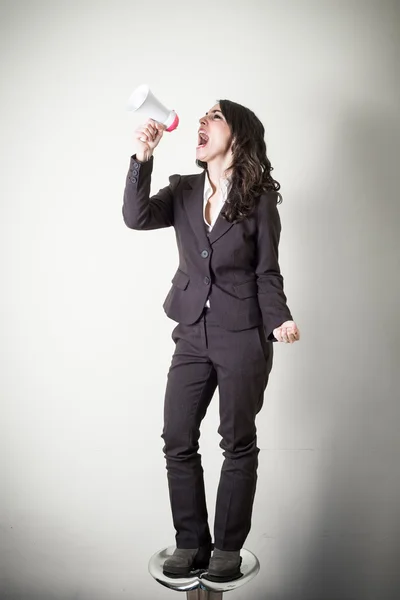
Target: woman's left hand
288,332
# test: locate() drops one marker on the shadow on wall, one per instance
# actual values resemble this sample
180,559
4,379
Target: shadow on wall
353,266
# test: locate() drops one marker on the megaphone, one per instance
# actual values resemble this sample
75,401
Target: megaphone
144,100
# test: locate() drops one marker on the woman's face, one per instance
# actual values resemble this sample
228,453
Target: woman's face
219,142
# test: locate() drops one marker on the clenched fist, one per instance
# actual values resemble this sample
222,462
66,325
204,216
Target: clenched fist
288,332
147,137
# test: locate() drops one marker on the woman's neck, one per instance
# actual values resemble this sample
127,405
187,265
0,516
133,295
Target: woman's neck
217,171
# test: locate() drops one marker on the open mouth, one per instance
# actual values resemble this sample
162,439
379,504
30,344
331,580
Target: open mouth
203,140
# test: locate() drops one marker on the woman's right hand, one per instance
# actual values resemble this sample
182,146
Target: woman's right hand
147,137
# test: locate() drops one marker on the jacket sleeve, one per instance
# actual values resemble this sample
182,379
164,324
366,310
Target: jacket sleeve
139,209
271,297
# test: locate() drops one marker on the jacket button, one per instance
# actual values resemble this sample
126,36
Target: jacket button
133,179
204,253
206,280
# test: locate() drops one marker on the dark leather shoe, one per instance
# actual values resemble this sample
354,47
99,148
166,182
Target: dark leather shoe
224,566
185,562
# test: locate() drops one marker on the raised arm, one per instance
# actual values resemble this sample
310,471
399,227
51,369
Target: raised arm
140,210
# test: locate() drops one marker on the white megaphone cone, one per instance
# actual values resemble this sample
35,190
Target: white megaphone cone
144,100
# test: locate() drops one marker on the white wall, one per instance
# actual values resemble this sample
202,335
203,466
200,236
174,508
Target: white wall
85,344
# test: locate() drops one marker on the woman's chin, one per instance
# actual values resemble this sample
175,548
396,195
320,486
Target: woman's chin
201,153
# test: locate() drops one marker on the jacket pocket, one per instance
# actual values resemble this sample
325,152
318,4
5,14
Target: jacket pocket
247,289
180,279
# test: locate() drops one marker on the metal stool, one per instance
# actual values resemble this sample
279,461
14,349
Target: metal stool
196,587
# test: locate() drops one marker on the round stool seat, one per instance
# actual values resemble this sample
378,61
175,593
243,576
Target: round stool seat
249,568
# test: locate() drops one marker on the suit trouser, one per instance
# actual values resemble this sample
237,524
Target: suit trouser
239,362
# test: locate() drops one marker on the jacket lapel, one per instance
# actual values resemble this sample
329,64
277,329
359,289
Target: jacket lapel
193,203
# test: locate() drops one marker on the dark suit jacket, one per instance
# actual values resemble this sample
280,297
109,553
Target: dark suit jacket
235,264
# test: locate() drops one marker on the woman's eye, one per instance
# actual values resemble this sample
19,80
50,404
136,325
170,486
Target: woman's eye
217,116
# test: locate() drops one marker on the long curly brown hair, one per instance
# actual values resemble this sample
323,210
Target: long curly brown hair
251,168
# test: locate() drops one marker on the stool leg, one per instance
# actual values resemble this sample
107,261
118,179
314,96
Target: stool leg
199,594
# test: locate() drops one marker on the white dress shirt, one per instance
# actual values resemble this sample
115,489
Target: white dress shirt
225,187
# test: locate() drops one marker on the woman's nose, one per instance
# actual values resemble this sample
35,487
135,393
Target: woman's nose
202,120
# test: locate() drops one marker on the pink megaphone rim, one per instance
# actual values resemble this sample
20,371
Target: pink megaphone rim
174,124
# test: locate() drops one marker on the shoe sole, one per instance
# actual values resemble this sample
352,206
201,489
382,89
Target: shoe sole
191,573
222,578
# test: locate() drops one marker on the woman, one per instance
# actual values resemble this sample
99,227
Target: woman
228,300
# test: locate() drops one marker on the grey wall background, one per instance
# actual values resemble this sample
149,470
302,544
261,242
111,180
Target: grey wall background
85,344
